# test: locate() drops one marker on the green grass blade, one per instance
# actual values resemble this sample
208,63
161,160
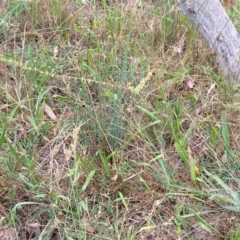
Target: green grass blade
88,180
225,134
3,131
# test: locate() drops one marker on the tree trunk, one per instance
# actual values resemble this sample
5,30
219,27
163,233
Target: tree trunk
214,25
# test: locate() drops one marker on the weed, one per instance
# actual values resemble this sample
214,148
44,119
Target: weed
114,124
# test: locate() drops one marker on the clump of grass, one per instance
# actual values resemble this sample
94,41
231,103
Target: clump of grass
144,138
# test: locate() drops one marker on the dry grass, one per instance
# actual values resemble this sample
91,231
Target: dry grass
115,125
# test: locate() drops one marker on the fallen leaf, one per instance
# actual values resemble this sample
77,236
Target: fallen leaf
180,47
86,224
115,178
33,225
55,52
190,83
198,111
49,112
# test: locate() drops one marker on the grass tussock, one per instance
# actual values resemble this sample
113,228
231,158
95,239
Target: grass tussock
115,124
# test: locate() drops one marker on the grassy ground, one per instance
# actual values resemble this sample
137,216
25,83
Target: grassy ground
114,124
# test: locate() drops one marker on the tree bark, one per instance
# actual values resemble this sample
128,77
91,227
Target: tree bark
214,25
